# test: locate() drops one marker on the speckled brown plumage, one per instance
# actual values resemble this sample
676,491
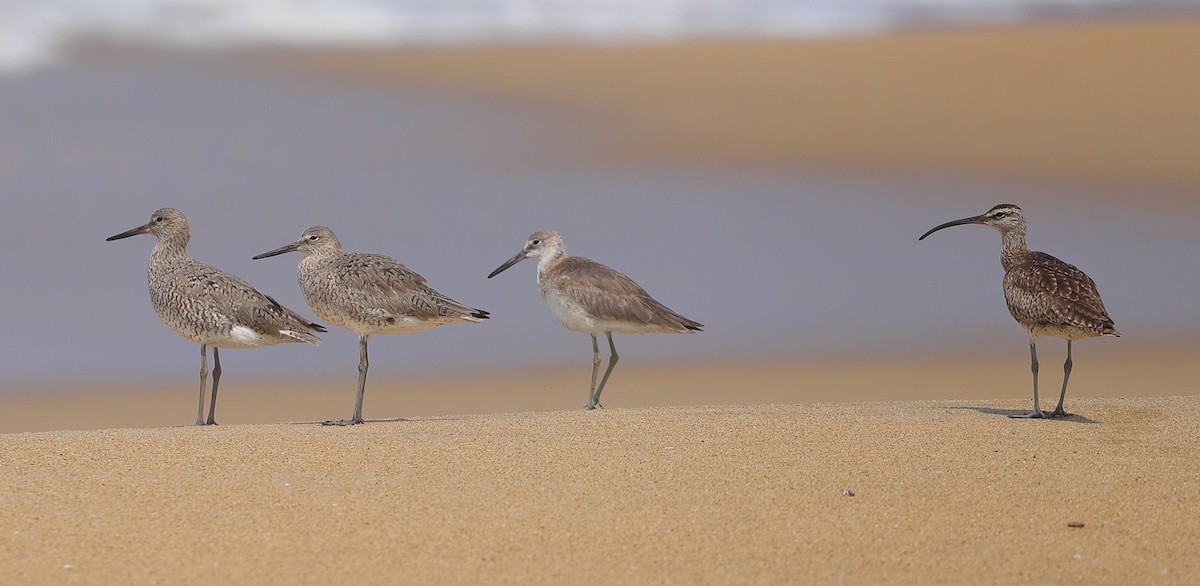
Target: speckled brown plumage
208,306
586,296
1051,297
1044,294
368,294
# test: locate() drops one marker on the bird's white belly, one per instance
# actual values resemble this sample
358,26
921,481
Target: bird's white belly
400,325
239,337
577,319
571,316
1064,332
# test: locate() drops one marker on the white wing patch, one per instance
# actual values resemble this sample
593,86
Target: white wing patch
246,336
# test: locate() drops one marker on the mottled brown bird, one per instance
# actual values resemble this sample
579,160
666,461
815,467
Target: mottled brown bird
1046,295
211,307
587,296
368,294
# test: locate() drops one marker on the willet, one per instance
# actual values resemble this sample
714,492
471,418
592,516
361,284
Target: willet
1046,295
368,294
587,296
211,307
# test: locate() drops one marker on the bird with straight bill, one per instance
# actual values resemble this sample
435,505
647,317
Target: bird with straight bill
211,307
367,294
586,296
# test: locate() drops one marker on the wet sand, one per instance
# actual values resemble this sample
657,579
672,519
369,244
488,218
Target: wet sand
494,476
1100,101
1103,368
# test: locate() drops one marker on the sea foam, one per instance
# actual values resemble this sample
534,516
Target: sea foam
34,33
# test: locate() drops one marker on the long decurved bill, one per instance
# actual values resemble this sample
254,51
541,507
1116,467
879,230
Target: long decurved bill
132,232
970,220
508,263
277,251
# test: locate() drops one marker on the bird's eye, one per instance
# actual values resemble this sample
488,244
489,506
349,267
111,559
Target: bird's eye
999,215
159,219
535,242
314,238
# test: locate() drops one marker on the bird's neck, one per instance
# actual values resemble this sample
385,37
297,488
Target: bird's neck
1013,247
548,260
170,247
314,260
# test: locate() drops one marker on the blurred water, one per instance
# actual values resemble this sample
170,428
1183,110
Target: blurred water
35,32
776,262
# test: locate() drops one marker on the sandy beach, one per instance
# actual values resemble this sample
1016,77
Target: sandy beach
754,492
1103,368
1102,101
851,468
949,491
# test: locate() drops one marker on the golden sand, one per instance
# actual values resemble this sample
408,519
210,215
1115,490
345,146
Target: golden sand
1103,368
523,490
942,491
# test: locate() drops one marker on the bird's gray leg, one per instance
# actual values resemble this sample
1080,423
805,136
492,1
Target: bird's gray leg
203,382
1033,365
363,364
212,407
591,404
362,385
612,363
1058,411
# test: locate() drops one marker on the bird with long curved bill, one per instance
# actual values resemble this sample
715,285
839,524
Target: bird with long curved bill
1044,294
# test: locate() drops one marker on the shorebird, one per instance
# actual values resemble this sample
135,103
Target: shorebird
1046,295
211,307
586,296
368,294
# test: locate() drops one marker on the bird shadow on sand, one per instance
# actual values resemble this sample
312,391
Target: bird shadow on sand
1019,413
330,423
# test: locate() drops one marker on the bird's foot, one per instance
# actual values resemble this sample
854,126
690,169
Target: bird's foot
1039,414
592,407
1059,413
209,422
343,422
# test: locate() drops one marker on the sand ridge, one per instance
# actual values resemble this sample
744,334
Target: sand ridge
947,490
1101,370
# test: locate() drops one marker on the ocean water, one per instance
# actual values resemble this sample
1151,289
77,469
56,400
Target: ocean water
35,33
782,263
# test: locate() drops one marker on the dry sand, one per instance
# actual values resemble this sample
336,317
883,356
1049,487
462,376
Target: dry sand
950,491
944,491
